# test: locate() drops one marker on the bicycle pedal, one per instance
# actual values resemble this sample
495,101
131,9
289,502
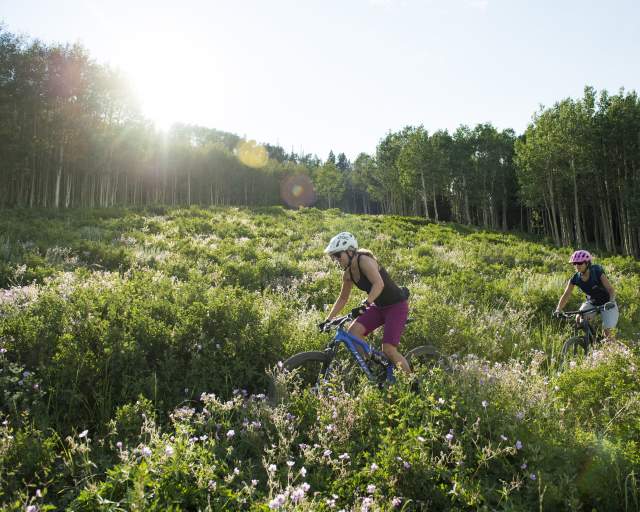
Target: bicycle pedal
380,360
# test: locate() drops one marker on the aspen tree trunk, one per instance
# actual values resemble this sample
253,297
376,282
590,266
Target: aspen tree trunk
467,213
45,190
56,202
622,225
548,226
607,226
625,217
424,196
114,192
32,190
554,217
607,217
189,187
67,197
625,222
576,206
484,206
435,206
504,207
173,190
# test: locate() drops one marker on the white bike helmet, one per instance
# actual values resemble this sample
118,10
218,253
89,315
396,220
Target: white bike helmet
342,242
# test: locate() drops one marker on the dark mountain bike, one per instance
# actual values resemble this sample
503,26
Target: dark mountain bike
308,369
585,335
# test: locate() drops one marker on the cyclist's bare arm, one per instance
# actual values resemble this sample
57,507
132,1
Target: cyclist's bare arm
345,292
369,267
565,296
607,285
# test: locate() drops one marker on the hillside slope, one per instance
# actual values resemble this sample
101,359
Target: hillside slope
152,331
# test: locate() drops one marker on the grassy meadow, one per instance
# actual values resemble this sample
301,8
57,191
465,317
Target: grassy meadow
135,344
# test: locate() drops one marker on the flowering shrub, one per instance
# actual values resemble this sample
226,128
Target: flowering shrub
21,391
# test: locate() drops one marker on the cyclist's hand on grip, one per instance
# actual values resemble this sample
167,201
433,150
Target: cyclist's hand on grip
557,314
356,312
322,326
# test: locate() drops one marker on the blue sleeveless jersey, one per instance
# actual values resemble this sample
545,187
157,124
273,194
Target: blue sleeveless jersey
596,293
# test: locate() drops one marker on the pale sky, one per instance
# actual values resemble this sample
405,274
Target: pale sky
315,75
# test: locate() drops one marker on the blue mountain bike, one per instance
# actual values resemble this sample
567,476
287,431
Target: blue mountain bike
309,369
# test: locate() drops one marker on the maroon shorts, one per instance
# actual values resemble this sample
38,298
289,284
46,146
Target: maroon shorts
393,317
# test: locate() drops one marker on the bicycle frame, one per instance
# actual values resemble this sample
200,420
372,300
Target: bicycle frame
587,330
584,324
352,342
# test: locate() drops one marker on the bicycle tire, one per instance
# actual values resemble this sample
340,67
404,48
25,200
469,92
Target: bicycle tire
311,367
426,355
571,347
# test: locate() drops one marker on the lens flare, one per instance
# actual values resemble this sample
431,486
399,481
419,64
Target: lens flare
252,154
297,190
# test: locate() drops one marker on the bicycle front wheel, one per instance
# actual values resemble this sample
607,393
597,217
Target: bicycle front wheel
425,355
306,369
573,347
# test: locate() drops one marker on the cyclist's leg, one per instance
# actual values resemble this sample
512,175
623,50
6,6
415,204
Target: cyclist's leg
588,316
394,355
370,320
395,320
357,329
609,322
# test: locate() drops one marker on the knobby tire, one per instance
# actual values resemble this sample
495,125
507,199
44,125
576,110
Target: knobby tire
572,347
310,366
425,354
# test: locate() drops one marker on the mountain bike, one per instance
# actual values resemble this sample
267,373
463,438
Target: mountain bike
585,335
309,369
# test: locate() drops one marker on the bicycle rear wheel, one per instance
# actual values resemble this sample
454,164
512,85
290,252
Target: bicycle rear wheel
306,369
425,355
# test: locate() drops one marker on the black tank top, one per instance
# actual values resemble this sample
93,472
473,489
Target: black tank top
391,293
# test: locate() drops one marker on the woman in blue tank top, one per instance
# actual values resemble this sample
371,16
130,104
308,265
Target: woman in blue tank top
592,280
386,303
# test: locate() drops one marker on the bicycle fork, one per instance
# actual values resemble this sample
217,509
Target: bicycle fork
589,337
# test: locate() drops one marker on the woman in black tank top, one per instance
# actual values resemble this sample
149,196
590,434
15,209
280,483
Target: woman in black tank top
386,303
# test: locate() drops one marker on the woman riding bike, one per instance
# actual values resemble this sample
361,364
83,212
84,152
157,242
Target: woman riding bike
591,279
386,303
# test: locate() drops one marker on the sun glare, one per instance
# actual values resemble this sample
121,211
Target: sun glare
172,83
252,154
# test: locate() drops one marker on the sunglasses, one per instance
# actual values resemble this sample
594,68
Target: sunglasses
578,264
336,255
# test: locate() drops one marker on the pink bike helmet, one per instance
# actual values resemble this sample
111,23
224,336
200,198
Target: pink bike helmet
580,256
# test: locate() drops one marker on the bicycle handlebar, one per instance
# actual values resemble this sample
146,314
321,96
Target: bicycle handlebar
604,307
339,321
